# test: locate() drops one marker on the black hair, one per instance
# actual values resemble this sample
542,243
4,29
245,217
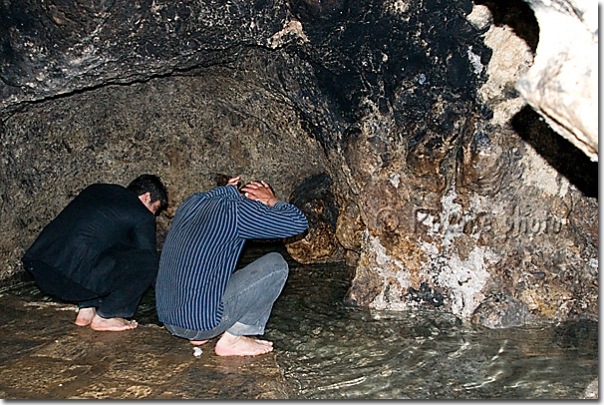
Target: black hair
152,184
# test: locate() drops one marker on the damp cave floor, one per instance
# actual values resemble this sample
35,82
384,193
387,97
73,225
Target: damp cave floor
44,355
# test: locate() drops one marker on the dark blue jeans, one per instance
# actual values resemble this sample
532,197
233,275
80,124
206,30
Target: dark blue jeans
248,299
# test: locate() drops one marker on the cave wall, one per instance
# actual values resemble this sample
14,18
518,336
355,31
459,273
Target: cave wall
452,206
190,130
395,126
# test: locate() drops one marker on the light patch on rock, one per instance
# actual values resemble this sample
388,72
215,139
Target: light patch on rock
395,179
388,265
511,59
431,222
381,258
591,392
388,268
564,186
475,61
464,281
540,174
398,7
449,210
430,248
442,226
480,17
505,110
293,27
374,123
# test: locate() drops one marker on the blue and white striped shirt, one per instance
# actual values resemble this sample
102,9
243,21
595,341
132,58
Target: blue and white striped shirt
202,248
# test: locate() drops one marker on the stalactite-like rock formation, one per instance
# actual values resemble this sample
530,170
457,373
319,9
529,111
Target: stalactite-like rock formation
562,84
395,126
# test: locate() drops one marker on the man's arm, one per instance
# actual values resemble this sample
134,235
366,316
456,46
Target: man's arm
271,218
144,236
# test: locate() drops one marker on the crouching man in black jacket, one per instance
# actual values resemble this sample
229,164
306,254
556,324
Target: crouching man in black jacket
101,252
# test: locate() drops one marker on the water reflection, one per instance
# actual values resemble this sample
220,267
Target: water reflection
331,351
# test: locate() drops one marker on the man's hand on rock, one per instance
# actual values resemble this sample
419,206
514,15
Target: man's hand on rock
234,181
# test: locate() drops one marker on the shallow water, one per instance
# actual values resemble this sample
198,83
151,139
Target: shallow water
331,351
327,350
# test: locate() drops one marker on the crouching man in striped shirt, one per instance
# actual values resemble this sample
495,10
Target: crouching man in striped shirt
198,294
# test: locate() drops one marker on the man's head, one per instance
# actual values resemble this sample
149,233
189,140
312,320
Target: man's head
158,195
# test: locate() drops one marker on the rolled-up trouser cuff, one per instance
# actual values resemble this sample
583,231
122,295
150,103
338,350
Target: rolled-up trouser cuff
240,329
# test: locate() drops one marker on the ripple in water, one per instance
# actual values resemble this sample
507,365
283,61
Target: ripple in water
330,351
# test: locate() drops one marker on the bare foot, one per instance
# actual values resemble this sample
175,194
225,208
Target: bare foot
85,316
112,324
231,345
198,342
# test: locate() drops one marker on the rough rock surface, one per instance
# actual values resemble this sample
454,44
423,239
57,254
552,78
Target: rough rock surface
591,392
396,126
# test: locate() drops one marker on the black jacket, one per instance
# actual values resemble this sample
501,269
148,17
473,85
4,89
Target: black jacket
101,219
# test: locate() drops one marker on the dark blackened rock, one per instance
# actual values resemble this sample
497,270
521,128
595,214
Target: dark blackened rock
426,295
58,47
315,199
316,188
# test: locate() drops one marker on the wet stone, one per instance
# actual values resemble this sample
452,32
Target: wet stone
45,356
